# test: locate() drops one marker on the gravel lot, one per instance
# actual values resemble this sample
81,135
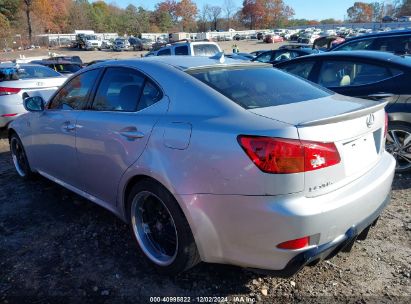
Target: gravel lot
57,246
87,56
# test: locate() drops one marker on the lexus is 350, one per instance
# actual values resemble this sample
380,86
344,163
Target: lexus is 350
214,160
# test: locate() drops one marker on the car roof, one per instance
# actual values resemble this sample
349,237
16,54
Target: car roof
374,55
185,62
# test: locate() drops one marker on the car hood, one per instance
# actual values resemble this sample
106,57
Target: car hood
327,109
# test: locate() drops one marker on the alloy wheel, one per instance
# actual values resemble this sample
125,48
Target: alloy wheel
154,228
399,145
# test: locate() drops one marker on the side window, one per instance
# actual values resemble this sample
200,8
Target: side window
151,94
73,96
356,45
302,69
343,73
165,52
285,56
181,50
119,90
264,57
393,44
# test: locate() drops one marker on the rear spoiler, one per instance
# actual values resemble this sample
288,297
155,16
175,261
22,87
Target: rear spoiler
345,116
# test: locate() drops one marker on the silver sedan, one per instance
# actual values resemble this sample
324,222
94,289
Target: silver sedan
18,81
214,160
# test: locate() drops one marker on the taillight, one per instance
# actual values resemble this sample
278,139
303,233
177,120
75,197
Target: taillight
283,156
8,91
295,244
386,125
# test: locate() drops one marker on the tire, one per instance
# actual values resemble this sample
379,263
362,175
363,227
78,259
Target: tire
398,143
21,164
160,228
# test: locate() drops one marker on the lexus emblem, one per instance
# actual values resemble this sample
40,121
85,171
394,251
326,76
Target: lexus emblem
370,120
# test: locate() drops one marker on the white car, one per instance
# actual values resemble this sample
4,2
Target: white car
92,43
18,82
196,48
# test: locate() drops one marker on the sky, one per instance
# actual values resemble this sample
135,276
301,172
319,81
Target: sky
307,9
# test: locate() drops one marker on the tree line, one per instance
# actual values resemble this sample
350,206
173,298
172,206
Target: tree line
30,17
376,11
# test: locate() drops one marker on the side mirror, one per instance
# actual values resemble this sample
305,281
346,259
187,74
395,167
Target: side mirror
34,104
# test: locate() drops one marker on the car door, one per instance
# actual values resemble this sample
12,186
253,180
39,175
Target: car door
115,130
360,79
54,130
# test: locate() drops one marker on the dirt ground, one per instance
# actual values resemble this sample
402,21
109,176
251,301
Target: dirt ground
58,247
87,56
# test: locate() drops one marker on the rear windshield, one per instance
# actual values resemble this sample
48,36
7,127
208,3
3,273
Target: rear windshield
259,87
65,68
26,72
205,49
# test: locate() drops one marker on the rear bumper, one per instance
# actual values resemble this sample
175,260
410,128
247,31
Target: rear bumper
327,250
10,104
245,230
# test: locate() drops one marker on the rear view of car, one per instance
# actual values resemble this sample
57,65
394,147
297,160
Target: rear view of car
247,165
21,81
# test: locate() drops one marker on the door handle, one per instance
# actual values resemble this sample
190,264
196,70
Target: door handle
132,134
68,126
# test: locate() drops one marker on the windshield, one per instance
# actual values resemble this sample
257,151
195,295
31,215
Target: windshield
26,72
91,37
258,87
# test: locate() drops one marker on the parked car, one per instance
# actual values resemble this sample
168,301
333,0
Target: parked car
260,36
186,47
107,44
389,19
244,164
147,44
122,44
136,44
273,38
92,42
369,75
275,56
404,19
393,41
19,81
66,68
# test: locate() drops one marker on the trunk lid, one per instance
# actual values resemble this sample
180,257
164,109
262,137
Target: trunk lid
43,87
355,126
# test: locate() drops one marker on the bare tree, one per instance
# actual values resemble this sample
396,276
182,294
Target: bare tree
229,9
28,6
214,13
203,18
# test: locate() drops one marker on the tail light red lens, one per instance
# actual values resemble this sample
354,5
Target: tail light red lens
8,91
386,125
283,156
295,244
